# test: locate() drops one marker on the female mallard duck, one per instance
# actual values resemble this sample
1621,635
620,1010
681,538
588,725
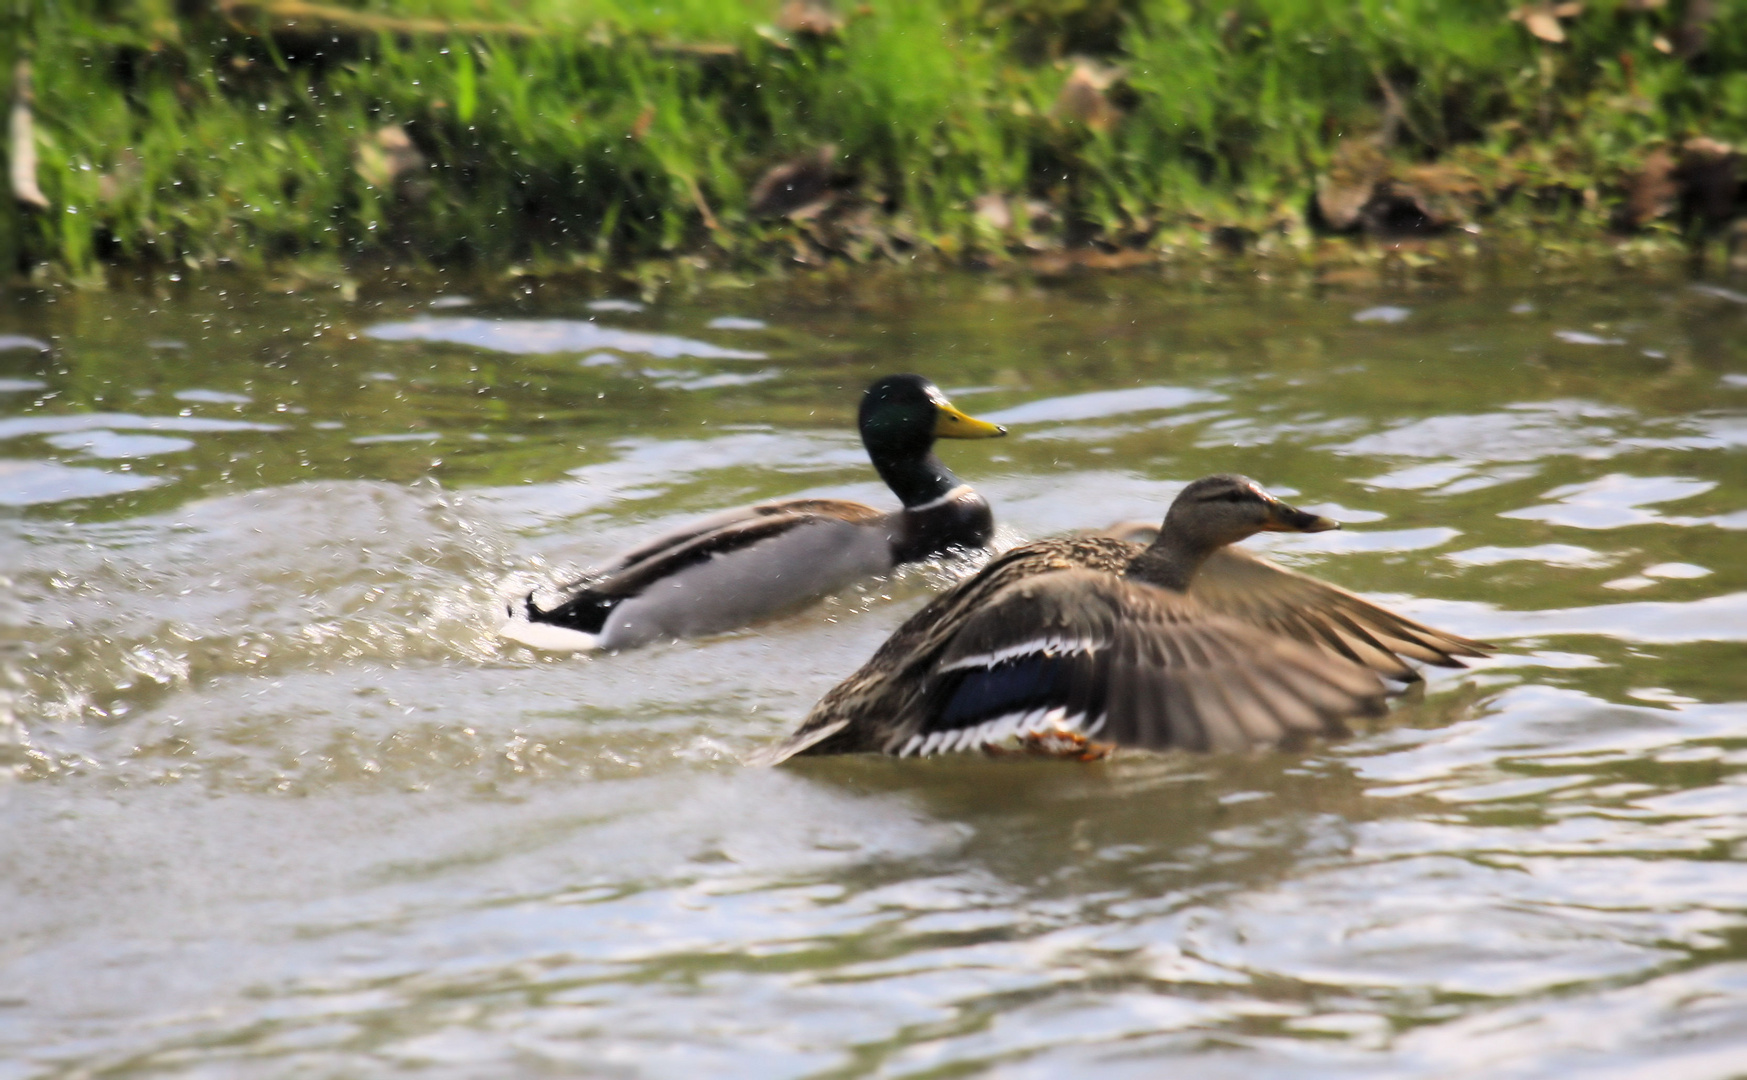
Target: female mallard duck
737,567
1185,642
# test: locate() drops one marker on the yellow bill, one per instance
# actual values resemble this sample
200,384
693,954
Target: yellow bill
949,423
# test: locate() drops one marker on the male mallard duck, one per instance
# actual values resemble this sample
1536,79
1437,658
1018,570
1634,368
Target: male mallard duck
1186,642
737,567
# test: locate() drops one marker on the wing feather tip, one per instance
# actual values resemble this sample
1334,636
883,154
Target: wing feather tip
793,746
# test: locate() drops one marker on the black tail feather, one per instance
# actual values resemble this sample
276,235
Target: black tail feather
587,611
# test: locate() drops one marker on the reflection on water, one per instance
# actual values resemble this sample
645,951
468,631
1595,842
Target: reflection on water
551,336
278,802
27,483
1099,404
1617,500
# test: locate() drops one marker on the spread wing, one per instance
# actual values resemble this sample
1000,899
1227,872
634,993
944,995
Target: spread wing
853,716
923,635
1255,591
1117,662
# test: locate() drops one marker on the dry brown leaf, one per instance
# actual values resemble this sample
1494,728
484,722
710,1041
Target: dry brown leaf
1059,263
23,135
1651,191
1364,191
645,117
1084,98
1710,175
798,188
1544,25
1702,146
1353,173
809,17
383,157
1692,36
121,179
993,211
1341,204
1542,20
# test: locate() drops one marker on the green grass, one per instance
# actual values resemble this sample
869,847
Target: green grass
169,134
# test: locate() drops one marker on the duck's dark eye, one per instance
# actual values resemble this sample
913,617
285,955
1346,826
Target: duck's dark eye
1228,495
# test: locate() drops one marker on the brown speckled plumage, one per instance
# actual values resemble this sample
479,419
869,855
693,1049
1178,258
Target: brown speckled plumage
1185,642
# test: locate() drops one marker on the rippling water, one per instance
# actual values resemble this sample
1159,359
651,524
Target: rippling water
277,802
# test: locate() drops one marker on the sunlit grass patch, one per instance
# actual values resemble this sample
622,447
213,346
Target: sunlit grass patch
492,130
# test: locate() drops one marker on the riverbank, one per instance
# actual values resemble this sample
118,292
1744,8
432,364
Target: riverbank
745,134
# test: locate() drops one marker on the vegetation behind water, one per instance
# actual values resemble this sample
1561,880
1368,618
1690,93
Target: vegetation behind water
738,131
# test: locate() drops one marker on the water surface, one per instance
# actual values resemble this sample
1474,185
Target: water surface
278,803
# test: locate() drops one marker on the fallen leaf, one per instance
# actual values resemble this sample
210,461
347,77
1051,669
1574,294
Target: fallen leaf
809,17
1060,263
1692,36
798,188
1542,20
1704,146
994,211
23,134
1364,191
1544,25
1353,172
385,156
116,182
1651,191
1084,97
640,126
1710,176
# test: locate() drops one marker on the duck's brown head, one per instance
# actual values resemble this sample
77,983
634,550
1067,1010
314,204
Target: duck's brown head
1218,510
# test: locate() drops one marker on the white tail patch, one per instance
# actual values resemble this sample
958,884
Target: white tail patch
547,637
